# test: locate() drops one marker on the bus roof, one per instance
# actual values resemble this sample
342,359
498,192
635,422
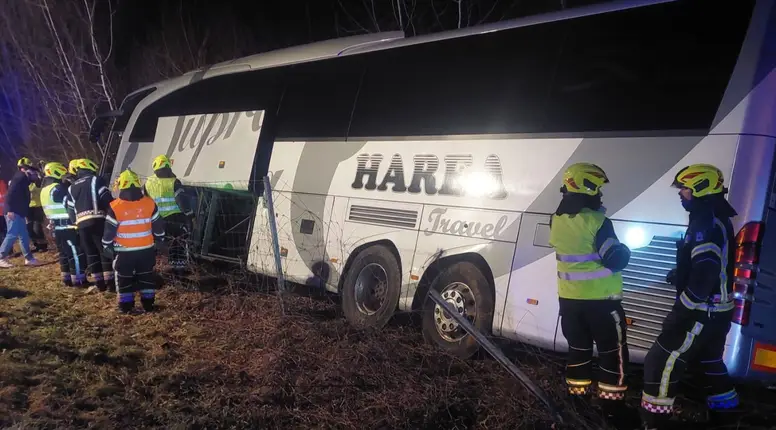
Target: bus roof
387,40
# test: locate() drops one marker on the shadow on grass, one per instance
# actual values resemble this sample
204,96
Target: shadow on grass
12,293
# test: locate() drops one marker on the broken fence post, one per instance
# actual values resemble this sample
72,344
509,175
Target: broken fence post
273,228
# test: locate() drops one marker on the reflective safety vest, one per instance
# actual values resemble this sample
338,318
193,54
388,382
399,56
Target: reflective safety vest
55,211
3,192
34,196
581,275
134,231
162,190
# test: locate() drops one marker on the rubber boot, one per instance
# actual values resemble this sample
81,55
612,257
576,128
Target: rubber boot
79,280
126,307
147,299
67,280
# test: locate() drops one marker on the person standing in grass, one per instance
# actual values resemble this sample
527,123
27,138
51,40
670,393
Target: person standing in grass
72,260
133,226
17,202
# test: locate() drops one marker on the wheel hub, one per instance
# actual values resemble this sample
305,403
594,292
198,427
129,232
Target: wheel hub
371,288
460,297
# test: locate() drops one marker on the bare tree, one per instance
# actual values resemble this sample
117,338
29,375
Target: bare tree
54,72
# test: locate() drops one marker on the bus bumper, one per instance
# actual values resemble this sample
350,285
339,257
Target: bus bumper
749,359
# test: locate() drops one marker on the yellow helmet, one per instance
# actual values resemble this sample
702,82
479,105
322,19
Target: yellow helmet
24,162
72,167
86,164
584,178
128,179
161,162
701,179
54,170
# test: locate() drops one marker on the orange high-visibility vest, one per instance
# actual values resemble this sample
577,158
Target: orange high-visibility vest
3,192
134,218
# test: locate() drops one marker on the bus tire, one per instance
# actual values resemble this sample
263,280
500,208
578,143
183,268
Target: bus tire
465,287
371,289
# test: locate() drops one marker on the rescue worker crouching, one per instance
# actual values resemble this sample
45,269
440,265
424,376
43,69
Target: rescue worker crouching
696,328
87,203
53,196
133,226
589,260
168,194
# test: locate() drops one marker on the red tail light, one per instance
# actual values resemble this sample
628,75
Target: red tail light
747,256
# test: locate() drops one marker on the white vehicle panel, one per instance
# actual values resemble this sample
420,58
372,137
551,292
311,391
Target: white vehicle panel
496,255
214,150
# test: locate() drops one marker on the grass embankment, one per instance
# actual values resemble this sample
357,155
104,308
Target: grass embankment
221,360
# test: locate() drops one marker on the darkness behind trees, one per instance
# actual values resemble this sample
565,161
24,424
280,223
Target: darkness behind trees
61,59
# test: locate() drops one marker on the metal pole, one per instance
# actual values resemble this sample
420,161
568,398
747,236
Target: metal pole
496,353
274,231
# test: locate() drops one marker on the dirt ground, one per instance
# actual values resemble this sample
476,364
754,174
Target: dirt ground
230,359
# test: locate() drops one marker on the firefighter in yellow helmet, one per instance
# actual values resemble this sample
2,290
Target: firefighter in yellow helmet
72,261
70,176
35,216
167,191
133,226
589,259
87,203
696,328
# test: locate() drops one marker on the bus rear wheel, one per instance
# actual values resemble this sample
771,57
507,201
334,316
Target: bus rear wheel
371,289
468,291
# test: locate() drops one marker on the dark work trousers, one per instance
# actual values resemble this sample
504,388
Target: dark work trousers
585,322
687,336
135,273
35,222
100,267
176,230
72,260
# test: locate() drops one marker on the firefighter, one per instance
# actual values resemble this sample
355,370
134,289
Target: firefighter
697,326
589,260
70,176
53,199
133,226
35,215
87,203
167,191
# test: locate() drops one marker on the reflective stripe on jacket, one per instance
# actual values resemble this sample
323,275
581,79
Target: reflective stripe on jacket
162,190
55,211
134,220
581,275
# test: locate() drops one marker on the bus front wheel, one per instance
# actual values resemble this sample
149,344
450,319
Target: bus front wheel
467,290
371,289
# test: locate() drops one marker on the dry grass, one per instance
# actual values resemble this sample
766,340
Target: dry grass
231,360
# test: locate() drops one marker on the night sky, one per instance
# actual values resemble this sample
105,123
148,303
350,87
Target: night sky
281,23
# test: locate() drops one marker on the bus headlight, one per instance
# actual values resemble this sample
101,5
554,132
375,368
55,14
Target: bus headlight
636,237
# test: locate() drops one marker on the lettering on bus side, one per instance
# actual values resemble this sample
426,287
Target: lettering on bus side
460,178
197,131
443,224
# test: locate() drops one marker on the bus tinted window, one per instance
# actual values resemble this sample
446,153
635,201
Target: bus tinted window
226,93
490,83
318,99
660,67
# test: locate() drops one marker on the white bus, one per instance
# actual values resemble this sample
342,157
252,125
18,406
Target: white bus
397,162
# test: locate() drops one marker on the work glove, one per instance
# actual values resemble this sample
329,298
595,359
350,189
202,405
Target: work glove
108,251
